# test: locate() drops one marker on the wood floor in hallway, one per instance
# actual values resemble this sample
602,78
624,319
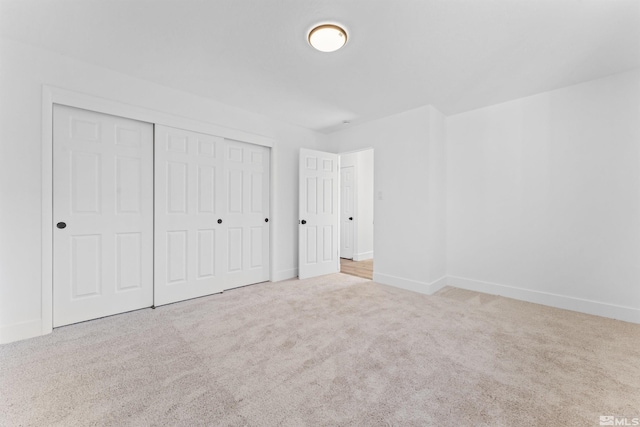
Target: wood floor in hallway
362,269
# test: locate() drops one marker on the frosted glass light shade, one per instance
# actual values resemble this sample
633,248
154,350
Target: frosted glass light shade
327,37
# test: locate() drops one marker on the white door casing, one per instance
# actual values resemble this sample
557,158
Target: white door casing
103,192
319,215
347,211
212,199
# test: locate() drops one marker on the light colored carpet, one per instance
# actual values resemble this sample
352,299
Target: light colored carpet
335,350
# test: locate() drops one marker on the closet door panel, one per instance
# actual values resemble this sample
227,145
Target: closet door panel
103,215
189,200
247,172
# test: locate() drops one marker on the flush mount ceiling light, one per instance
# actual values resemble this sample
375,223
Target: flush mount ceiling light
327,37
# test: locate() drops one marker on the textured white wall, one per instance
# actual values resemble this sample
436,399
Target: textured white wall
544,197
436,194
23,71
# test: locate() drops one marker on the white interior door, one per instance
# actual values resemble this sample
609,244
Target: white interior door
190,243
211,214
246,219
319,216
347,208
103,215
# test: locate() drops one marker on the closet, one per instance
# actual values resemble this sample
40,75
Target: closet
147,215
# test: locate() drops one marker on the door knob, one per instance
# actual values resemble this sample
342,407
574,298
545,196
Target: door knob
350,218
266,220
304,222
61,225
219,221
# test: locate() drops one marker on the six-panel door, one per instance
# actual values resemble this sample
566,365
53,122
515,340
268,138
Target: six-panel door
347,208
189,242
318,229
247,214
103,215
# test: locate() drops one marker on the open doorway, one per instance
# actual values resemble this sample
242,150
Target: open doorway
356,213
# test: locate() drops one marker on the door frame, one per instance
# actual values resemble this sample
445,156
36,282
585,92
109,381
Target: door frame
52,95
356,170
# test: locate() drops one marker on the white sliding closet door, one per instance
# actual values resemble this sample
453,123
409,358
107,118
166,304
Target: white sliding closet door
211,203
189,242
247,216
103,215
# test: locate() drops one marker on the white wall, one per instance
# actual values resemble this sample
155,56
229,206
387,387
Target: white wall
404,247
365,206
436,218
23,71
544,198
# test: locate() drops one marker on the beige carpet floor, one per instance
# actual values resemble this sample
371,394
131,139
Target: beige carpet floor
335,350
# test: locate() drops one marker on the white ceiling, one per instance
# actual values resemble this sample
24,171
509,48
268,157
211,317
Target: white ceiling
455,54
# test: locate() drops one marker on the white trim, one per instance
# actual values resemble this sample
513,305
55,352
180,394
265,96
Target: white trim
53,95
363,256
410,284
46,305
355,151
627,314
20,331
338,166
273,165
284,275
356,205
436,285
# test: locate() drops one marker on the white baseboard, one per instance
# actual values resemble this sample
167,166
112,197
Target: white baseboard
627,314
436,285
362,256
284,275
409,284
20,331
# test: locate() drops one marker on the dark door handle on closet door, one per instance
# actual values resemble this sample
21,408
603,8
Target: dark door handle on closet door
350,218
61,225
303,222
219,221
